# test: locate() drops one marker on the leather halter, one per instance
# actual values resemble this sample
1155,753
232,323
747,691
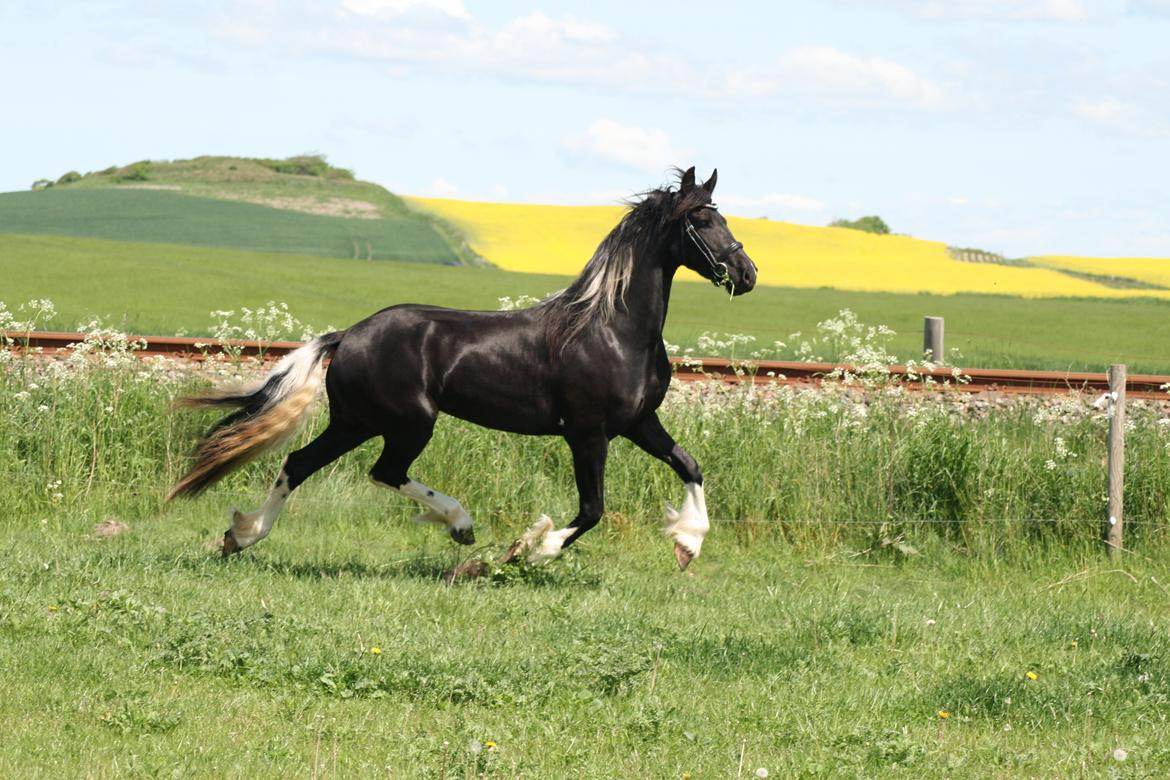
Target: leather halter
718,262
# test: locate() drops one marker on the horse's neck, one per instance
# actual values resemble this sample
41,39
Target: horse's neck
647,299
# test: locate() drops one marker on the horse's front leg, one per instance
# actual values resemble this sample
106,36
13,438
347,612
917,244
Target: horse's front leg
545,543
687,526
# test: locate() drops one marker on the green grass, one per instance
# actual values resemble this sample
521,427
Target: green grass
146,215
144,656
802,641
162,289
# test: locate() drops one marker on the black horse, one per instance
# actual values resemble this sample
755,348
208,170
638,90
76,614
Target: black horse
587,364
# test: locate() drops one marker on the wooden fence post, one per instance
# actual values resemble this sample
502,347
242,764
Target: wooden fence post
1115,522
932,339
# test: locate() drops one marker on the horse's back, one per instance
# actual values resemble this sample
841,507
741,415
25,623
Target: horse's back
488,367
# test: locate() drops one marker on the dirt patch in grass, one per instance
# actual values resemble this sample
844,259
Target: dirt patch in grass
329,207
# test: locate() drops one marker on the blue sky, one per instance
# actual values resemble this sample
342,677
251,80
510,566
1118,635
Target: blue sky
1019,126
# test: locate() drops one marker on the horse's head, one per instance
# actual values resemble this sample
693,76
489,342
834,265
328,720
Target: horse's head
705,243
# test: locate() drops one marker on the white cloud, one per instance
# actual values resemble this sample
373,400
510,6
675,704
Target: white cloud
773,200
441,188
637,148
536,47
538,26
834,77
392,8
1103,111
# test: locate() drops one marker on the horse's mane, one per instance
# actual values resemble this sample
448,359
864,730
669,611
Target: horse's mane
598,291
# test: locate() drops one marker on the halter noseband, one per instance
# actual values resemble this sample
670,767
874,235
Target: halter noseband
719,273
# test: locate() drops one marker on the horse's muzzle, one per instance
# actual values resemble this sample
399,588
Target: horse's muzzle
742,276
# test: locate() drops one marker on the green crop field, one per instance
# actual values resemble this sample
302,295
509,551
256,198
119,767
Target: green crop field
890,589
171,217
159,289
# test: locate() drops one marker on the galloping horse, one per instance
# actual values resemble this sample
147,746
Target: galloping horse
587,364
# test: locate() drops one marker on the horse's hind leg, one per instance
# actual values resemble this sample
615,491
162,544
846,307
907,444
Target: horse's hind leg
250,527
401,449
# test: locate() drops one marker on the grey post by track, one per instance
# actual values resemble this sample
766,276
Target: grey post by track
932,339
1114,523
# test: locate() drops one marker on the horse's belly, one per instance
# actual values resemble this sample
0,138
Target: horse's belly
502,411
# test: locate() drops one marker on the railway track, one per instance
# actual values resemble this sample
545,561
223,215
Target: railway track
985,380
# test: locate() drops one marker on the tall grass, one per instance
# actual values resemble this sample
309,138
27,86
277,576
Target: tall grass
875,465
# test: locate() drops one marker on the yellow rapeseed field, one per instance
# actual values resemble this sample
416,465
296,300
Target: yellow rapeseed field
560,239
1151,270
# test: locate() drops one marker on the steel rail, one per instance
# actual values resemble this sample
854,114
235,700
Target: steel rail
722,369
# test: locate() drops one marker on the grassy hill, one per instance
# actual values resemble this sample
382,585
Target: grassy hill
161,288
161,216
301,205
525,237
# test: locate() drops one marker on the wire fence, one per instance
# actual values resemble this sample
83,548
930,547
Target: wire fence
349,500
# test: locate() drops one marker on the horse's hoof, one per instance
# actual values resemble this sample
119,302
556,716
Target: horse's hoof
463,535
683,556
513,553
230,546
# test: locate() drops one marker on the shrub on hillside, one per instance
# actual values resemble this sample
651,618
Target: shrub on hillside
69,178
139,171
41,184
307,165
870,224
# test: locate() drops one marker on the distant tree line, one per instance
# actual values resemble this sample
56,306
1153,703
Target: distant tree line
871,224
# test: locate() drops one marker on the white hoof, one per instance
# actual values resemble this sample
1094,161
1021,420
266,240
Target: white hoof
247,527
551,545
536,532
688,526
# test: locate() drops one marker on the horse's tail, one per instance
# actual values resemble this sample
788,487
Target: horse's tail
270,414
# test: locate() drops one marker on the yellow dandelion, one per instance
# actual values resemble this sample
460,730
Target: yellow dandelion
1032,676
944,714
376,650
490,744
1073,644
686,776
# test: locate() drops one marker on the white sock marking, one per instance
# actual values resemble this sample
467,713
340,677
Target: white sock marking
551,545
689,525
250,527
441,509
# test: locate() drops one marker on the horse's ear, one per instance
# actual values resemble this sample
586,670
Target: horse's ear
689,197
709,185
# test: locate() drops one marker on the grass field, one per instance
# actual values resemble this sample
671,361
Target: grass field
526,237
806,641
162,289
160,216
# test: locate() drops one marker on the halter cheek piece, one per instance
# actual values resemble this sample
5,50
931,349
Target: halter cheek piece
718,262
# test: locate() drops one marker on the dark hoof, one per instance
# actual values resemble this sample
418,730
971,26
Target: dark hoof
513,553
463,535
683,556
230,547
